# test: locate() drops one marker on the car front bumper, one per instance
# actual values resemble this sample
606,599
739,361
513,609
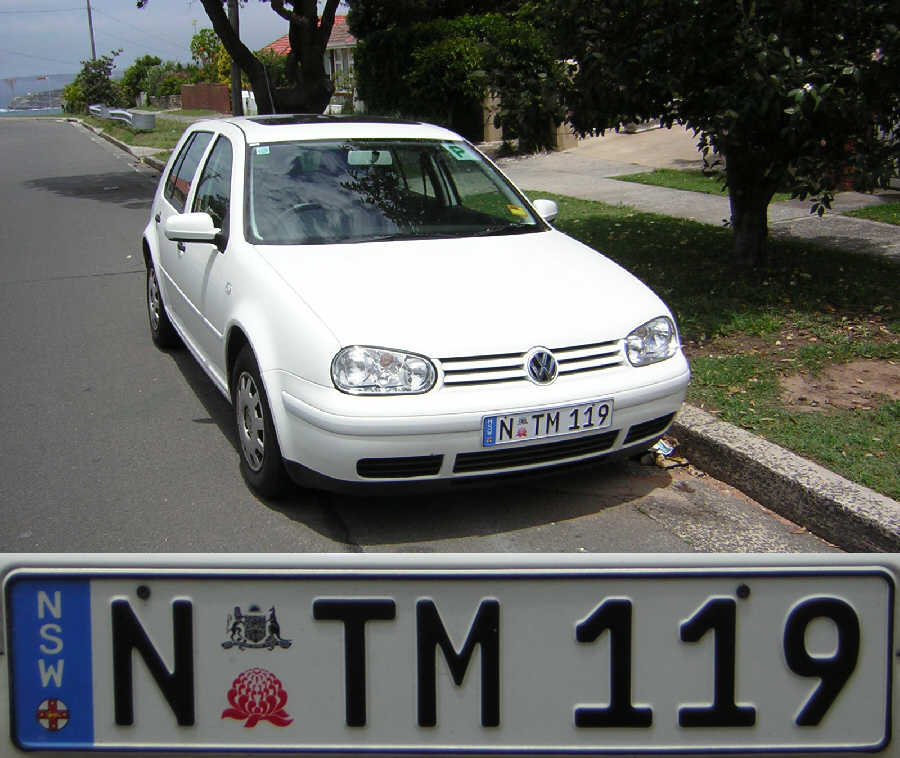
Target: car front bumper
339,441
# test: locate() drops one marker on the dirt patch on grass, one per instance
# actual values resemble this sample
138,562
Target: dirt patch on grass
859,384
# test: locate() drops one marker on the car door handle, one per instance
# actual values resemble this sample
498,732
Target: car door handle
181,248
158,218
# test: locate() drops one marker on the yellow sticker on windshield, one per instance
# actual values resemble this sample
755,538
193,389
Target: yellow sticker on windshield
517,210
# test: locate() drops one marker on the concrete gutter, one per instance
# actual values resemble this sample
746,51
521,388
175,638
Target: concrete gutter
847,514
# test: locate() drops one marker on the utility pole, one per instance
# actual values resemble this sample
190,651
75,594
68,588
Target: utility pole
237,102
91,28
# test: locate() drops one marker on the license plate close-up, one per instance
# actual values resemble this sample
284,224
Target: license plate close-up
543,423
593,660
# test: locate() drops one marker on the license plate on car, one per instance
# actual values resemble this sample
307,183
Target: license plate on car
514,660
526,426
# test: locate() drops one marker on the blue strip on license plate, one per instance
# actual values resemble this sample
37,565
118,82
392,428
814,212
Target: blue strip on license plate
52,669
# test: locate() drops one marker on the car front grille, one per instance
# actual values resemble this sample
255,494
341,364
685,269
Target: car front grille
510,367
399,468
531,454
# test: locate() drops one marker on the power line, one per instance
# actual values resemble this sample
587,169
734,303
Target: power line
136,28
49,10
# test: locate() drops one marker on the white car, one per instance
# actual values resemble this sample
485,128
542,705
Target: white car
382,306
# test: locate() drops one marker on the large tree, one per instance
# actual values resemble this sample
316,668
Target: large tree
795,95
437,60
309,85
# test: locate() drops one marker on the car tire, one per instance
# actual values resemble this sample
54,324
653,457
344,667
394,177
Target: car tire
261,463
161,330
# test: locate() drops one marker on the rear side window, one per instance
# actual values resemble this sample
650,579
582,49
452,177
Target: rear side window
178,183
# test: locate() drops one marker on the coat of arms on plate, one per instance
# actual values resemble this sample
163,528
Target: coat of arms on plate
254,630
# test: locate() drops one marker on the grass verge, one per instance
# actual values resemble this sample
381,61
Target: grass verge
744,331
888,213
164,136
692,180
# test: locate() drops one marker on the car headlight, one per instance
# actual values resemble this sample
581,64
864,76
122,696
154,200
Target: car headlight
652,342
376,371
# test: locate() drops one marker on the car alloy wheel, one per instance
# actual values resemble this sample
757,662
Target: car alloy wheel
251,430
161,330
261,463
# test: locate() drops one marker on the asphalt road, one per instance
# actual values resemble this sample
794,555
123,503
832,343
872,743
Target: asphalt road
110,445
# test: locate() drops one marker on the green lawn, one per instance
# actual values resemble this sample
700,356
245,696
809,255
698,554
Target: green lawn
165,135
743,331
889,213
692,180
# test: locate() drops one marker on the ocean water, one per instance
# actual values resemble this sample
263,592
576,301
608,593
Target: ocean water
32,112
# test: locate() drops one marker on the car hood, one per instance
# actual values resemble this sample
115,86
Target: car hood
472,296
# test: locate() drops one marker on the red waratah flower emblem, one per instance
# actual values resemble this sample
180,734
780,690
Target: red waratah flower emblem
257,695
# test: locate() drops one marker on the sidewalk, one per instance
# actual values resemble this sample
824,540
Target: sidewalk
588,171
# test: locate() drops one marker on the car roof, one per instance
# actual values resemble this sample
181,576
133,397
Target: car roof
284,128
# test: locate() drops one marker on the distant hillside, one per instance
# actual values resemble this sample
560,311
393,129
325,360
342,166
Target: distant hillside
25,86
51,99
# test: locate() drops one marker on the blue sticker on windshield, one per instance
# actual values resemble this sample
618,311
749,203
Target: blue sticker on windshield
262,150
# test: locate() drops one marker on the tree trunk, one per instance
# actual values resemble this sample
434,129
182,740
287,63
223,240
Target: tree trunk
750,195
312,89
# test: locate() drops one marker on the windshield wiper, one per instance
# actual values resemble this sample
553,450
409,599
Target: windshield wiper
491,231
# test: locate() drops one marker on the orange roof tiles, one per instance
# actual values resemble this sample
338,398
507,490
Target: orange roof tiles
340,37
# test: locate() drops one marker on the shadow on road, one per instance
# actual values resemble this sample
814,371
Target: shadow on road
467,511
126,188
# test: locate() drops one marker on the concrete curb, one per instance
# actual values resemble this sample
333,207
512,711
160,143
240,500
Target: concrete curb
849,515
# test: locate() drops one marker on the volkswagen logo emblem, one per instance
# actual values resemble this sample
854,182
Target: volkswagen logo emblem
541,366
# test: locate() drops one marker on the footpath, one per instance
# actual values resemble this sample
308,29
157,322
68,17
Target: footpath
851,516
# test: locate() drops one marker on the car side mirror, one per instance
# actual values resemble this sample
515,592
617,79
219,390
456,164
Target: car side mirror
192,227
547,209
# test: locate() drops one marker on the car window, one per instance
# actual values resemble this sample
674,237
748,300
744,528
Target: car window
214,188
178,183
361,190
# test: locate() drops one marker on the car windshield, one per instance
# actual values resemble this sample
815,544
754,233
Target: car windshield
359,191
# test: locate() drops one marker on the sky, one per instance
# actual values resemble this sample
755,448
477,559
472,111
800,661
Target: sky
39,37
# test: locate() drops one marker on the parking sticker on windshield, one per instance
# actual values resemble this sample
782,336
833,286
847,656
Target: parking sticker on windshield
262,150
459,151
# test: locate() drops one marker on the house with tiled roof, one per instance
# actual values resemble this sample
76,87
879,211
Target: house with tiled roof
338,51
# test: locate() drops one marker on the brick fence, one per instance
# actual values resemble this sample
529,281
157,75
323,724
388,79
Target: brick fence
206,96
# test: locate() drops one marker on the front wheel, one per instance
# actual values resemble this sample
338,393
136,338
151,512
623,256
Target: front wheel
261,464
162,332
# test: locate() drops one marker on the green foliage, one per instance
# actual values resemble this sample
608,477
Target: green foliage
441,71
73,98
276,68
165,79
133,80
205,50
794,95
369,16
95,81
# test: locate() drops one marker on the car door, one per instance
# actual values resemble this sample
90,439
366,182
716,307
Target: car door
174,200
204,267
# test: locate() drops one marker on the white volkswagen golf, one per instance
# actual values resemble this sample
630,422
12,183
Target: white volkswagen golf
382,306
